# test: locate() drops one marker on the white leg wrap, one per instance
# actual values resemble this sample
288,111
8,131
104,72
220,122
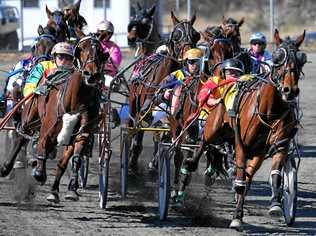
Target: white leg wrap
69,122
275,172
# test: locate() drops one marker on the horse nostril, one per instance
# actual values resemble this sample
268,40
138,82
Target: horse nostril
286,90
86,73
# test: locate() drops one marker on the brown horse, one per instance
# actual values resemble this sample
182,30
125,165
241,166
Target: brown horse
73,18
143,31
231,31
77,94
28,118
152,71
266,130
219,49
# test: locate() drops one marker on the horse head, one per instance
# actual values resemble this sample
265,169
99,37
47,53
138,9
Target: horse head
288,62
57,24
141,26
231,30
43,45
183,37
89,57
72,9
219,47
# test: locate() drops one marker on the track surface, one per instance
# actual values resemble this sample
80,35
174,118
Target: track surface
206,212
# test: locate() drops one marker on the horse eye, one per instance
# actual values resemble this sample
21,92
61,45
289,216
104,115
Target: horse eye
145,21
177,35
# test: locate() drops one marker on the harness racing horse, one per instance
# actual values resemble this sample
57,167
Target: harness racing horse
143,31
188,112
231,31
57,25
263,122
76,96
27,118
150,74
217,48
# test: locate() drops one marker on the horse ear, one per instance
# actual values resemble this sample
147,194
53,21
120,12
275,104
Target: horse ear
240,23
174,19
193,18
40,30
300,39
139,7
77,5
151,11
48,12
204,36
277,39
223,19
79,33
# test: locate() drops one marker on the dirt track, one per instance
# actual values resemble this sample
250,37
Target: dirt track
206,212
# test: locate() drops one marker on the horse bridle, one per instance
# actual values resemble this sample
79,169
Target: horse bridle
288,54
95,43
185,35
47,55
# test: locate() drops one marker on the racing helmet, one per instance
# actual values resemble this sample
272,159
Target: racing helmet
193,54
233,64
258,37
63,48
105,25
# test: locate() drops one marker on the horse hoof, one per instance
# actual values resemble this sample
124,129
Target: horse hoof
5,170
53,197
236,224
275,211
133,168
39,176
72,196
152,166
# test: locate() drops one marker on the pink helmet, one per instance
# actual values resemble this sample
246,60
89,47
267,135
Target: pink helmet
63,48
105,25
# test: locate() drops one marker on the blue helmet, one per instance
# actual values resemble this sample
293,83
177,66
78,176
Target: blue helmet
258,37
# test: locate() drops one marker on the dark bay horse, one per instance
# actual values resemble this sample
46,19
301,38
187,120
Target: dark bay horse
78,95
143,31
231,31
266,130
73,18
152,71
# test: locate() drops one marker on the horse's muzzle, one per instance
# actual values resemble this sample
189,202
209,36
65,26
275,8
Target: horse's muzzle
288,94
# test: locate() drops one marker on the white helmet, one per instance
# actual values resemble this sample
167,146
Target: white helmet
63,48
258,37
105,25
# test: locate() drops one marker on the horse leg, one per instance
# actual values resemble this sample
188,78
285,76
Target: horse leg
135,150
275,183
60,170
48,133
153,164
7,166
239,184
177,194
252,166
73,185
